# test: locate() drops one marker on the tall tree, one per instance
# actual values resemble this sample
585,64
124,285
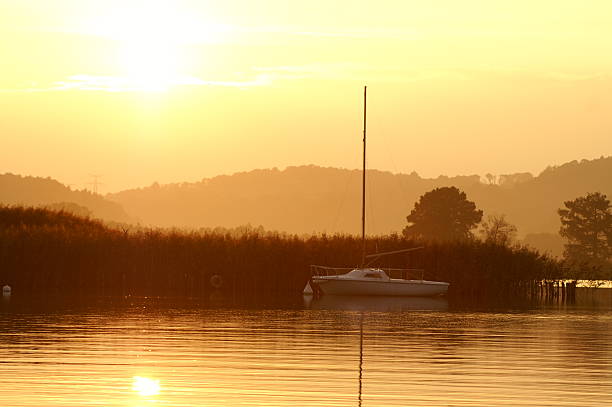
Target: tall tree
497,230
443,214
586,223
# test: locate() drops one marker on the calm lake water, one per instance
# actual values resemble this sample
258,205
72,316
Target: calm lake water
330,352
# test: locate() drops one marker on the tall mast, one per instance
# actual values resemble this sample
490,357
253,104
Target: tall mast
363,186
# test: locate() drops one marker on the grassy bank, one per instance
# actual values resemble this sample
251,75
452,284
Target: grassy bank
47,252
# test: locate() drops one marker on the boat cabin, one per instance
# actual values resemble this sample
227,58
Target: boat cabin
368,274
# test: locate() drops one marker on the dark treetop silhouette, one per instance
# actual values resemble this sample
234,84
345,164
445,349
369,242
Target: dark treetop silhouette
586,223
443,214
495,229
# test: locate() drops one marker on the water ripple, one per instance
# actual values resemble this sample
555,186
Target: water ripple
305,357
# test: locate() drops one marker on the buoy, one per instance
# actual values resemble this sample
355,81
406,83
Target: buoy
216,281
308,289
6,290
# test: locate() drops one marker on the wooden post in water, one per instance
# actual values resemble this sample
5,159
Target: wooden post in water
563,293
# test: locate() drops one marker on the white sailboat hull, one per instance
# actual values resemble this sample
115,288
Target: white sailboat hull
408,288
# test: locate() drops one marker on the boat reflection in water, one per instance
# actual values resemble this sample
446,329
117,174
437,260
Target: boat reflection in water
376,304
366,304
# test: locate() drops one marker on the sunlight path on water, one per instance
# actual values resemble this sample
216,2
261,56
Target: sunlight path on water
189,356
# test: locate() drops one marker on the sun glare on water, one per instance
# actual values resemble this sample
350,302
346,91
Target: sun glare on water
145,387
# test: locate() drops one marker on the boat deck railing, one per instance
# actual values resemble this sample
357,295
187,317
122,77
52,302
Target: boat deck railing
404,274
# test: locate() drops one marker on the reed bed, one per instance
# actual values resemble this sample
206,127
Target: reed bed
48,252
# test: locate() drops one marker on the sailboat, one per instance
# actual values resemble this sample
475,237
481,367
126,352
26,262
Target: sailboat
365,280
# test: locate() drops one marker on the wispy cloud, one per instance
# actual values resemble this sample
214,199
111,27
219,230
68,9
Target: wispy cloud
354,71
266,75
574,77
107,83
370,33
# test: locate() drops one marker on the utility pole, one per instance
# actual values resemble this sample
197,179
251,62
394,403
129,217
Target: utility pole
95,183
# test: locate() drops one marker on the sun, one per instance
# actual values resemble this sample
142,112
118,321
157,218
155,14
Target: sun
149,39
145,387
151,64
153,41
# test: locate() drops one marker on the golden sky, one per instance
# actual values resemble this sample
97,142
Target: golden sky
170,91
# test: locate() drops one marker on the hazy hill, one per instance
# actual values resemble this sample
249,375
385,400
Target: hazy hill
298,199
47,192
313,199
310,199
